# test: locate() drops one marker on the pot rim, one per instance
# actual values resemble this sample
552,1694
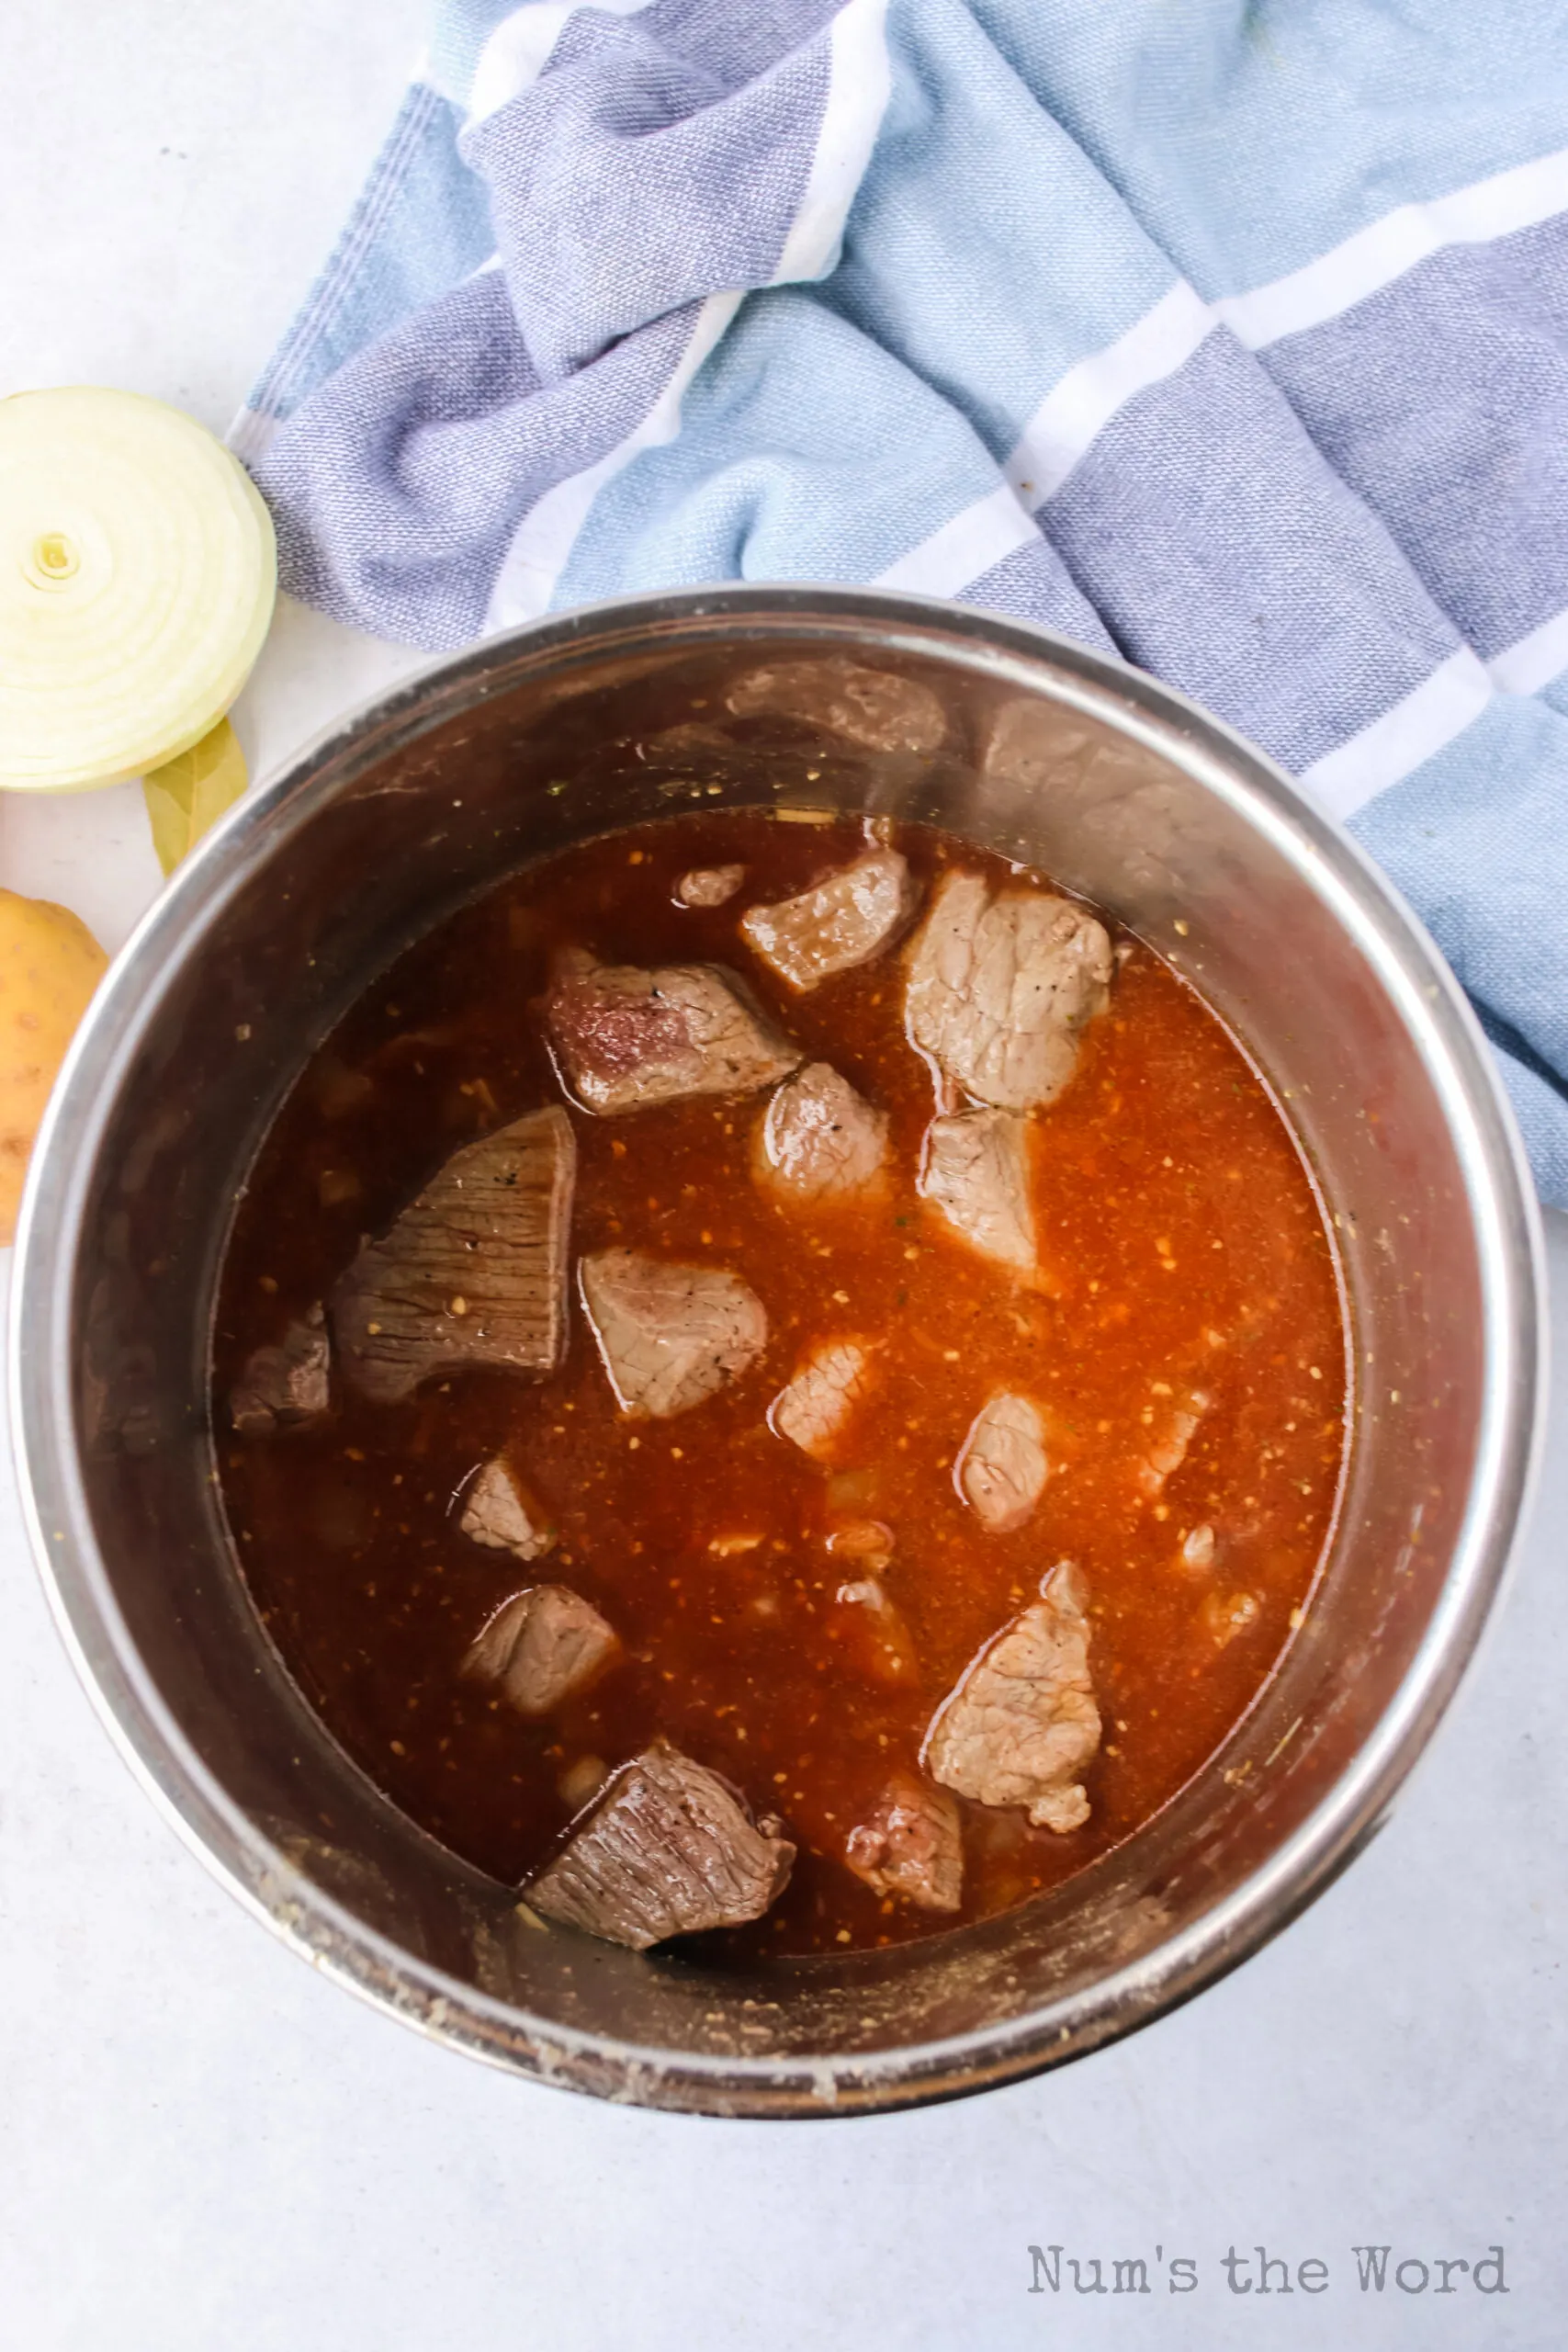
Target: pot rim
1505,1224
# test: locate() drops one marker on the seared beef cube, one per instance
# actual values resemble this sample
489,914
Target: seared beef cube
709,885
976,1170
818,1140
1001,989
474,1270
669,1850
689,741
627,1038
868,1539
670,1335
911,1845
1196,1550
542,1647
1022,1725
873,1638
1003,1468
814,1410
1224,1615
498,1510
841,923
1172,1424
869,707
289,1383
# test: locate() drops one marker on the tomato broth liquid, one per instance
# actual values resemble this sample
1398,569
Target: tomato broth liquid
1183,1249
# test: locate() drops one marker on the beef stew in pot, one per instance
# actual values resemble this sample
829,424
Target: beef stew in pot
780,1380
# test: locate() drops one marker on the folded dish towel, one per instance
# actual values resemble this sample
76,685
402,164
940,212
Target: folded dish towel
1232,335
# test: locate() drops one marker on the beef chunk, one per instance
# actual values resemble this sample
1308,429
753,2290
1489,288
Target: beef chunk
911,1845
691,741
669,1850
875,1640
709,885
670,1335
1171,1422
474,1270
839,923
498,1510
627,1038
1022,1725
1224,1615
1003,1468
869,1541
869,707
818,1140
1197,1548
288,1382
999,989
542,1647
815,1409
976,1170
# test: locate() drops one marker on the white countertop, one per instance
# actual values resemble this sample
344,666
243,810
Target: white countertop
202,2144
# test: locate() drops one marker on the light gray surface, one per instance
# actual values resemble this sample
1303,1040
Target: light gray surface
201,2144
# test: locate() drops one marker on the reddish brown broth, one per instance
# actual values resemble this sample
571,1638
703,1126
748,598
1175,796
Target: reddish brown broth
1185,1246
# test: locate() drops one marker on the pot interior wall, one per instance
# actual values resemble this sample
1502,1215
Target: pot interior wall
462,782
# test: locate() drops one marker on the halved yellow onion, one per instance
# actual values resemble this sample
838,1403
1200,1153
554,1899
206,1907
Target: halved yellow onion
137,570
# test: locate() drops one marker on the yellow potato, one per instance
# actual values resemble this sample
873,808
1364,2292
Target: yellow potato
49,964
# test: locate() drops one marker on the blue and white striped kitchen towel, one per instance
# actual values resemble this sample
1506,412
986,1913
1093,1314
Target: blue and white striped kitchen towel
1229,333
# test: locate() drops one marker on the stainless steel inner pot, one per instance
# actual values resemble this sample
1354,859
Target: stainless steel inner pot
591,721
